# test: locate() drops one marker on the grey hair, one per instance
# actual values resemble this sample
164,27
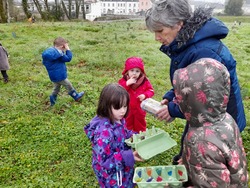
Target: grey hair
167,13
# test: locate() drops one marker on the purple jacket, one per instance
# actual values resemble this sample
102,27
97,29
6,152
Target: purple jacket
112,159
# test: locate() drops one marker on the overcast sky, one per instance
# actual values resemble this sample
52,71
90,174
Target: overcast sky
212,1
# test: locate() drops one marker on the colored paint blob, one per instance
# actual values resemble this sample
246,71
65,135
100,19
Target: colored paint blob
159,179
180,172
139,173
150,179
149,172
158,171
170,173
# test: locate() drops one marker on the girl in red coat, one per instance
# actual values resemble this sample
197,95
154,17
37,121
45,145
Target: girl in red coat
138,86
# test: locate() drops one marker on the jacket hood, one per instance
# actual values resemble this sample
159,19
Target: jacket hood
133,62
202,91
51,54
198,27
92,126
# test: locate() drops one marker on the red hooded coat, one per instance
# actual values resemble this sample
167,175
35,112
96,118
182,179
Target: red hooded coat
136,117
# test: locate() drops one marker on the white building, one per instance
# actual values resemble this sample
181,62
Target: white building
128,7
94,11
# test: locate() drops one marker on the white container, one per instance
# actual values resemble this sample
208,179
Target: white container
152,106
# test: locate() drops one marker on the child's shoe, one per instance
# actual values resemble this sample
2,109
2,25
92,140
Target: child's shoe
52,99
76,96
6,80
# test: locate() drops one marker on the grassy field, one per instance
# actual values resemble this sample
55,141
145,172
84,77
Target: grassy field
42,146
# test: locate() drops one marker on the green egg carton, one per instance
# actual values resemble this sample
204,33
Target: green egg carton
151,142
159,176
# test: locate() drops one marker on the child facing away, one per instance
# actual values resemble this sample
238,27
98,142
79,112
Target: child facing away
4,63
213,150
138,86
54,59
112,160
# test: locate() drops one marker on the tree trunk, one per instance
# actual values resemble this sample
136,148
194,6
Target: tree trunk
3,11
65,10
7,10
26,8
83,11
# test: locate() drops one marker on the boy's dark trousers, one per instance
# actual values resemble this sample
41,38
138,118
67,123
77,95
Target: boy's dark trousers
5,75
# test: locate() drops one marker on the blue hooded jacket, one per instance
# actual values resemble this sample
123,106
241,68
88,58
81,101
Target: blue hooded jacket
54,61
206,43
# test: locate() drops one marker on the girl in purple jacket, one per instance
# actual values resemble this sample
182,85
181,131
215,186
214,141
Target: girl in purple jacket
112,160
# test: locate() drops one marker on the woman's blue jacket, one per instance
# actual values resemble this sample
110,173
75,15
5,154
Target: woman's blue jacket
206,43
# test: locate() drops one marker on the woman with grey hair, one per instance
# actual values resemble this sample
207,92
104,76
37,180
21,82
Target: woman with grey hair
187,36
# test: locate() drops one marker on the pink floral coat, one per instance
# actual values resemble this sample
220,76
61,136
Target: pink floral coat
213,151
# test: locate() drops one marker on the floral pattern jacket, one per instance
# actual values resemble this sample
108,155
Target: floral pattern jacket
213,151
112,160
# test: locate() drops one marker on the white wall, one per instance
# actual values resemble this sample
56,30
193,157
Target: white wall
95,11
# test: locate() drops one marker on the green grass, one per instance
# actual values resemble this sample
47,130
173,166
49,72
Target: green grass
46,147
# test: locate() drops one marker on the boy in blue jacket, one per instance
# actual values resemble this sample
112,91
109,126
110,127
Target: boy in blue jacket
54,59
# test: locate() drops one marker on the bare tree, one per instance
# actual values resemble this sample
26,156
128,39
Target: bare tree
7,10
83,11
3,12
26,8
68,12
65,10
78,4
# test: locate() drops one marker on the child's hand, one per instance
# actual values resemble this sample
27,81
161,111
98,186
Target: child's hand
131,81
141,97
137,157
66,46
180,161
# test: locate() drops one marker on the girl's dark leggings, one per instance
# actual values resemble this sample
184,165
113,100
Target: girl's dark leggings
178,156
4,73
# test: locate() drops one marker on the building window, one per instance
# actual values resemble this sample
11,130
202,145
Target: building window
87,7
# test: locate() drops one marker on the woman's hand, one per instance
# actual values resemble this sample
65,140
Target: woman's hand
163,114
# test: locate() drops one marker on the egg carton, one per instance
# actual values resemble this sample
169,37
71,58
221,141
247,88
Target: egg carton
159,176
151,142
